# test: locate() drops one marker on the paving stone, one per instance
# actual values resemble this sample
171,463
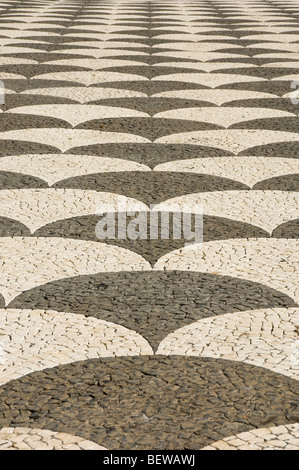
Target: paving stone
174,105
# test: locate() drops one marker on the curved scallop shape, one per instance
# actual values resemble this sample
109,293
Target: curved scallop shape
31,71
13,180
98,53
273,262
150,187
85,95
284,38
235,141
266,209
152,303
211,80
197,47
265,338
275,46
11,122
284,437
96,64
7,43
87,78
288,182
11,76
206,66
11,227
224,117
188,16
16,50
13,147
144,126
279,55
292,95
248,170
76,114
16,61
269,28
107,28
279,149
163,387
139,103
29,262
65,139
284,65
21,438
203,56
288,124
9,92
286,78
192,28
98,36
57,167
24,34
192,37
37,207
23,25
37,339
287,230
85,228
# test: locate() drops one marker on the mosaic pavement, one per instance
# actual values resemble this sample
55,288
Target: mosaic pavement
147,343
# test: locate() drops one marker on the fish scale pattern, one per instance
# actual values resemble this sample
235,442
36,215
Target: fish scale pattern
167,107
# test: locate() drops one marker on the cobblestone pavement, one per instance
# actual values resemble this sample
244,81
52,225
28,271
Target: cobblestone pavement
169,107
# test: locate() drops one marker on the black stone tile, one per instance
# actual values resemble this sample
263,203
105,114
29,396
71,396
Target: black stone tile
16,147
151,155
281,183
278,88
268,73
11,122
131,402
151,187
17,100
278,149
14,180
12,228
282,124
147,127
32,70
152,105
19,85
152,303
151,87
148,71
213,228
283,104
287,230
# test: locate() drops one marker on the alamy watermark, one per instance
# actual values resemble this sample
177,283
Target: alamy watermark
295,352
2,354
2,93
129,222
295,94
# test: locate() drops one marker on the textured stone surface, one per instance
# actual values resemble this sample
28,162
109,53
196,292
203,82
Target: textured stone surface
33,340
152,303
39,439
149,343
276,438
130,403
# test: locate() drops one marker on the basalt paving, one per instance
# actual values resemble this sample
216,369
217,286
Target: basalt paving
168,108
